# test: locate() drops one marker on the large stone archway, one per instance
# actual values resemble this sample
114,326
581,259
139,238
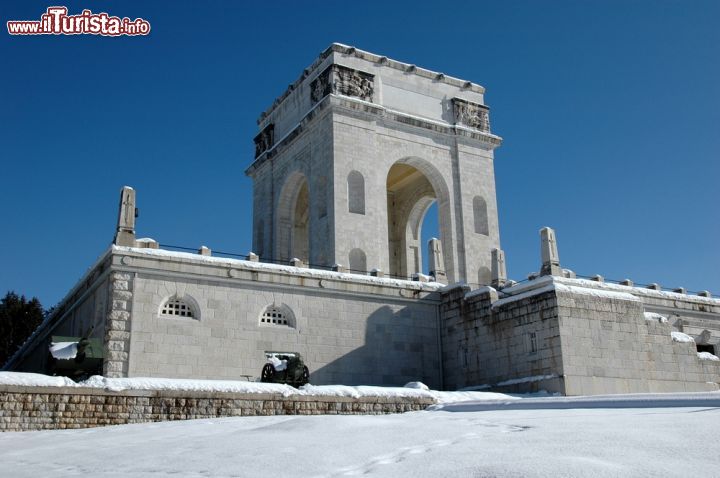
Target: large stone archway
413,185
293,225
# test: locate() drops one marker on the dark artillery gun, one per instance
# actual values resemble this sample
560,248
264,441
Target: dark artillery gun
77,358
285,367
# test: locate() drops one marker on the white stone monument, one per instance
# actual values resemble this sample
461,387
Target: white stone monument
351,157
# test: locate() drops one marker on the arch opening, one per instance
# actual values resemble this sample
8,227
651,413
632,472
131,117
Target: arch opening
358,261
410,195
293,239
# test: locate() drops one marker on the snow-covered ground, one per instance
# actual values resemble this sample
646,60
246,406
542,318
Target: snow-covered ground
649,435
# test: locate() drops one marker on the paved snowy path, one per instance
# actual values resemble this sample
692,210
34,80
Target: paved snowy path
680,441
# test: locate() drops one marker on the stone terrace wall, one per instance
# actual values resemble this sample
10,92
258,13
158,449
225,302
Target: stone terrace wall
48,408
486,345
609,347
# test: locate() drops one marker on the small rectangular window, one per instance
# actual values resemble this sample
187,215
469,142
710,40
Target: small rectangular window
533,342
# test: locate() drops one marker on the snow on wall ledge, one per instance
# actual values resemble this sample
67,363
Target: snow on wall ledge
586,287
281,269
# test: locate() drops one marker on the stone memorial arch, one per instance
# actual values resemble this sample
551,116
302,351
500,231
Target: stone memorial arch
350,158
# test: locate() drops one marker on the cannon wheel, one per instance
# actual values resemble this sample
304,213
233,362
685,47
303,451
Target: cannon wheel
268,372
305,375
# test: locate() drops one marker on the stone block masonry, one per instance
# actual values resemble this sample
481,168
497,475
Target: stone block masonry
574,337
117,331
511,348
24,408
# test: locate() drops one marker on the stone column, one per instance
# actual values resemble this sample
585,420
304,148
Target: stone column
499,272
117,326
435,260
125,233
549,253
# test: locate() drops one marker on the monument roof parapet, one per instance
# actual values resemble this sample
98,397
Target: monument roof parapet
374,58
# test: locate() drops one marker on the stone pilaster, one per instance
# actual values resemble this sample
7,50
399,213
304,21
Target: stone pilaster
117,325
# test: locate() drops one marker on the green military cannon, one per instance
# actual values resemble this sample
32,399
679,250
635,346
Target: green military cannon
77,358
285,367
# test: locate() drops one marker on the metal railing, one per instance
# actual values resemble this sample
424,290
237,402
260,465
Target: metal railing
278,262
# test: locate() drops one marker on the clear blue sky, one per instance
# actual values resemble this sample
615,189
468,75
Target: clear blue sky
609,110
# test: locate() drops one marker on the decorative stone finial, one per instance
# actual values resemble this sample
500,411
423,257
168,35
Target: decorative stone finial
549,253
127,212
147,243
498,270
435,260
569,274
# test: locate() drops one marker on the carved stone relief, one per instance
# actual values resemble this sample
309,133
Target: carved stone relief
471,115
341,80
264,140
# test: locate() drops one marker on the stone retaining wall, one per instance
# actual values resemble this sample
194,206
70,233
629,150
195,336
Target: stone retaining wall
49,408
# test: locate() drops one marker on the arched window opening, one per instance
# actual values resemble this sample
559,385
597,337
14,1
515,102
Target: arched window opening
277,315
484,276
176,307
481,216
430,229
358,261
356,192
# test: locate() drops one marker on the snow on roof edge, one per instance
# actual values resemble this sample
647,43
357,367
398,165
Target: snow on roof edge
577,284
277,268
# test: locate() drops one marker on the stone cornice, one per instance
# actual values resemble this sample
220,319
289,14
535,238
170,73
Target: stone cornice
182,265
371,57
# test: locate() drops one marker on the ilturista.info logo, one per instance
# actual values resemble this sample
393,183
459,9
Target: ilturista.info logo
56,21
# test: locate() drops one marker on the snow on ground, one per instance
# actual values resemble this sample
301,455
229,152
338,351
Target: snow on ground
678,438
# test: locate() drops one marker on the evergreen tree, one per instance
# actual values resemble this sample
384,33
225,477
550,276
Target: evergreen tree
19,318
